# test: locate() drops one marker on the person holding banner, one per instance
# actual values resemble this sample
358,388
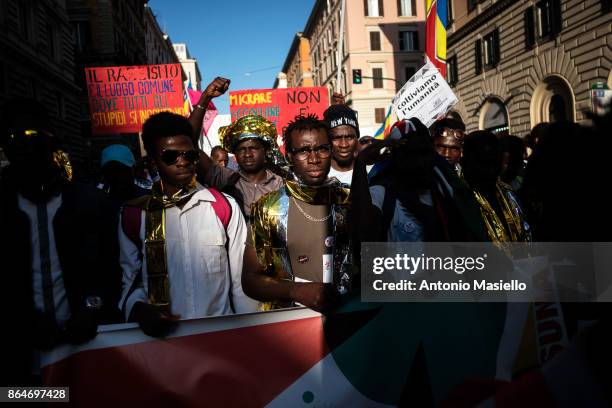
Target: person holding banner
55,237
181,247
301,247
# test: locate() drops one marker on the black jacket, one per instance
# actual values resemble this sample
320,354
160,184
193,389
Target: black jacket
84,233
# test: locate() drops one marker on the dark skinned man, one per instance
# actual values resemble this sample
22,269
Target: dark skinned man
252,140
192,266
301,247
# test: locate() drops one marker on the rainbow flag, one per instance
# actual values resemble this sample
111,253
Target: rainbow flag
383,131
435,33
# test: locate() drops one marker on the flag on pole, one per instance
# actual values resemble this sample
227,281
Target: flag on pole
384,129
435,33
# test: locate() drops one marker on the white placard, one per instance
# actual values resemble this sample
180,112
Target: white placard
425,96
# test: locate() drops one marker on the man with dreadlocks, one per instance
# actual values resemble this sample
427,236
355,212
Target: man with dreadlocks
301,246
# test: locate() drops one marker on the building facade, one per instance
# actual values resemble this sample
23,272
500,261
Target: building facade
159,49
190,66
37,61
384,39
514,64
297,67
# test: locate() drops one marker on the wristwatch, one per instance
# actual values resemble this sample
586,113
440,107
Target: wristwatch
93,303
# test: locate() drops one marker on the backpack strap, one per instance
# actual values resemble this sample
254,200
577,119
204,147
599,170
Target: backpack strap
130,222
222,207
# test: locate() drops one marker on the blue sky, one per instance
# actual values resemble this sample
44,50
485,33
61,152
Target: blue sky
245,41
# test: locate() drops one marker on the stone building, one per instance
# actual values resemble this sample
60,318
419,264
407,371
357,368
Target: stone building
37,61
514,64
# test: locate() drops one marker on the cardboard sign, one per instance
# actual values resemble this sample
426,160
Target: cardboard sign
121,99
280,106
425,96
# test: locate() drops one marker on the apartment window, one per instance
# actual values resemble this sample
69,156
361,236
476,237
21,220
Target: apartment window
377,78
529,28
547,18
375,41
379,115
409,73
51,41
451,70
81,35
406,7
408,40
25,19
373,8
491,49
471,5
477,57
59,105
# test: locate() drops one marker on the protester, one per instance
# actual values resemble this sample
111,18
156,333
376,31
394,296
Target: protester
448,135
499,206
301,241
513,161
252,140
187,260
118,176
534,137
55,236
342,121
416,197
219,156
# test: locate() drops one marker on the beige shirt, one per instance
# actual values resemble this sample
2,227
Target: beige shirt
310,242
219,177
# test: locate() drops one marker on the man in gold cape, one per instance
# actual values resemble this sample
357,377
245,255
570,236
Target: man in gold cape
301,251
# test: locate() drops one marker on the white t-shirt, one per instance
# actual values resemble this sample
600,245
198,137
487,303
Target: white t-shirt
344,177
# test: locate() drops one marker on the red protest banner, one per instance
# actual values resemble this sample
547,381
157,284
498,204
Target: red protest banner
121,99
280,105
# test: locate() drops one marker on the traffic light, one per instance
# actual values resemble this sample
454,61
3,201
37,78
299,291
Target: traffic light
356,76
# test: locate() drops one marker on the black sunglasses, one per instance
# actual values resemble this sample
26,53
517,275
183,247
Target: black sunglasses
169,157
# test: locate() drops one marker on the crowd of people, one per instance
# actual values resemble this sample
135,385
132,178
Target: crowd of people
195,238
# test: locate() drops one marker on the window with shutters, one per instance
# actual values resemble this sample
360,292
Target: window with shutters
377,78
477,57
451,70
375,41
408,40
406,8
548,18
25,20
529,28
379,115
373,8
490,44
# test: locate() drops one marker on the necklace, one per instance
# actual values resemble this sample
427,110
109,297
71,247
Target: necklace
308,216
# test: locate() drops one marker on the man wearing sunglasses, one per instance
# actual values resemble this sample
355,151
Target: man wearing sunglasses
448,135
300,253
181,247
